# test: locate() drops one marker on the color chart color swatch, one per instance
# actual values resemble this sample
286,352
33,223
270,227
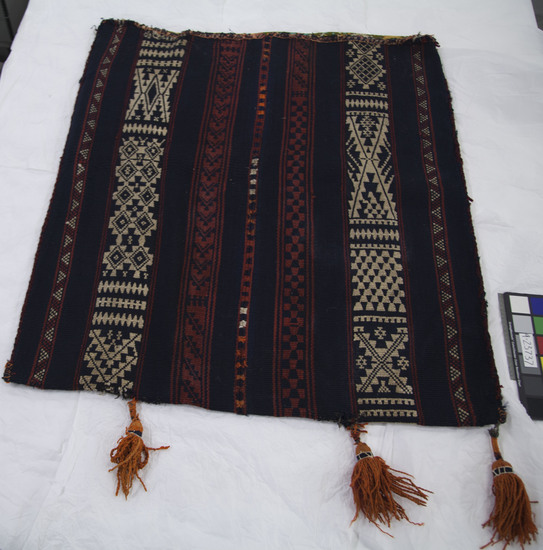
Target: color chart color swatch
523,319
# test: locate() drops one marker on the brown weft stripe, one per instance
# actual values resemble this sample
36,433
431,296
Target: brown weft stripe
263,224
203,246
247,270
293,351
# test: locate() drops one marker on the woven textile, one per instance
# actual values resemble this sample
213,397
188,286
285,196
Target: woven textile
268,224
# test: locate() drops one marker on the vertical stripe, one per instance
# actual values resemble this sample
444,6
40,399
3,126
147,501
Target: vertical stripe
118,317
160,220
260,354
190,367
346,247
81,165
243,319
332,321
429,352
478,366
380,329
404,254
154,384
293,358
450,316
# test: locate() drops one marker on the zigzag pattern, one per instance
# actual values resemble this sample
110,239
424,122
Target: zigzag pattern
122,287
373,234
45,348
439,238
207,202
116,319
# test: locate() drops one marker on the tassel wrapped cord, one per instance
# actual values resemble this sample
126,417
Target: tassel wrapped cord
131,453
511,519
375,485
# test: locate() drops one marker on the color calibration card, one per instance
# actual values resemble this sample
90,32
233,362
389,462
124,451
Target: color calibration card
523,324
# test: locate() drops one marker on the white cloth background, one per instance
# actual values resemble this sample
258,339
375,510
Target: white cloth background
231,482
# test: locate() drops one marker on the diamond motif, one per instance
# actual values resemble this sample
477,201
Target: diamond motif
151,94
129,149
124,194
150,171
152,150
116,257
121,222
144,223
139,258
127,170
147,195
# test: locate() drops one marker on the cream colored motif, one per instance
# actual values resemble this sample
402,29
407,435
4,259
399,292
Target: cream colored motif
380,324
118,319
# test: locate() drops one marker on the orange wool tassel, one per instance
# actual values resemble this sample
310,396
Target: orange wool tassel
374,486
512,518
131,453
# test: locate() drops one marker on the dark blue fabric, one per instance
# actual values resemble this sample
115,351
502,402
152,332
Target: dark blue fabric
315,376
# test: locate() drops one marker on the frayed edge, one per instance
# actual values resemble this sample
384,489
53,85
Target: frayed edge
317,37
